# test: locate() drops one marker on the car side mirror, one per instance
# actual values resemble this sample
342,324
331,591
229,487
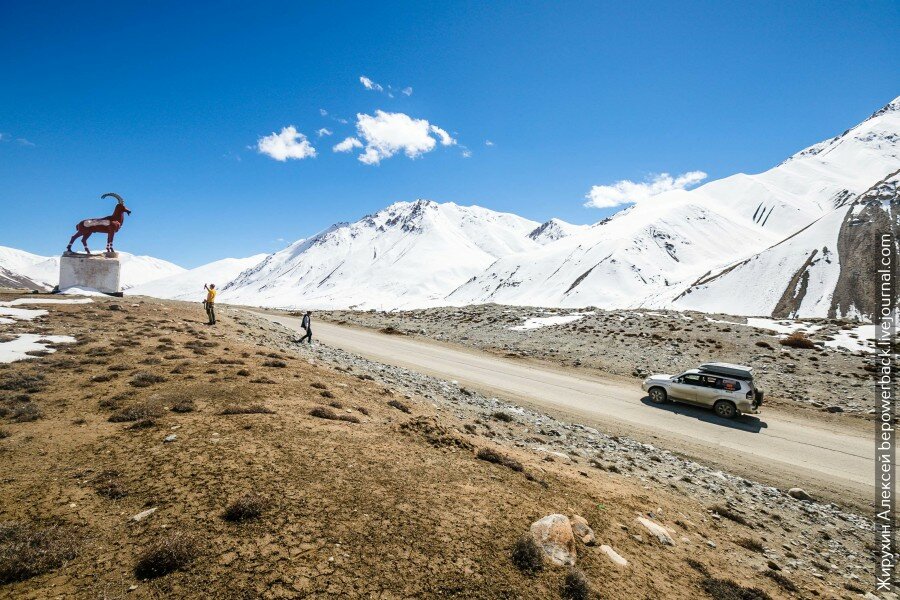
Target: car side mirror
678,380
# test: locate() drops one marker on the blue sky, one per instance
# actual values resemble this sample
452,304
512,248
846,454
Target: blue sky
166,102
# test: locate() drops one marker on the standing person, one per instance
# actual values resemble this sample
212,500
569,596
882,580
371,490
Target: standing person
306,324
210,302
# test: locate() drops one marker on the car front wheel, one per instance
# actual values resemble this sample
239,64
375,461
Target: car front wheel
657,395
725,409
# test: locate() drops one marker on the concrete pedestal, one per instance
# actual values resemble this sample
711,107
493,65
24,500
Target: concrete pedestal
90,271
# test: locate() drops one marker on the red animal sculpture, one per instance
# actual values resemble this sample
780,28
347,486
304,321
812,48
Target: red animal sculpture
108,225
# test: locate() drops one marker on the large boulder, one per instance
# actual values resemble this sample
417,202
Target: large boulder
553,534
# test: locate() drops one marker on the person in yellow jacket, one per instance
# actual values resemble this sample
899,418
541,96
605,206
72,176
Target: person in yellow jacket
210,302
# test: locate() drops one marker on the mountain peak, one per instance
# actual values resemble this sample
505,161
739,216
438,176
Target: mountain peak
892,106
553,230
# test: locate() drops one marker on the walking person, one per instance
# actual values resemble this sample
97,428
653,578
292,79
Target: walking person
210,302
306,324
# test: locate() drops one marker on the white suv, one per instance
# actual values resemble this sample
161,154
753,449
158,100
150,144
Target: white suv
727,389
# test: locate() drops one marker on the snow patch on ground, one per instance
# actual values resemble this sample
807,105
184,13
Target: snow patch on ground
20,314
21,301
858,339
537,322
18,348
77,291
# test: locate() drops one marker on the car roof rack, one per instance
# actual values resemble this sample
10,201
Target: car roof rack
731,370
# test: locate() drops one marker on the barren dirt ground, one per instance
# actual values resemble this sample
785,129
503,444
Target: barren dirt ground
162,458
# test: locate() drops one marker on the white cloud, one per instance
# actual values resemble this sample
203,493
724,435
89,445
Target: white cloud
290,143
369,84
407,90
627,192
488,143
24,142
446,140
386,134
466,153
323,112
324,131
347,145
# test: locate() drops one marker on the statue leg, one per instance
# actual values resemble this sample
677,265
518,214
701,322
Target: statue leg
109,241
84,240
72,241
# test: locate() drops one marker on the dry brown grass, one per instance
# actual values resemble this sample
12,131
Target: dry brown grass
145,379
27,550
173,552
326,413
576,586
798,340
726,589
493,456
526,555
247,507
399,406
137,412
246,409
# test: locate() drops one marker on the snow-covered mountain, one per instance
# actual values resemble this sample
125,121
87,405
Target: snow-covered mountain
409,254
24,269
555,229
661,252
188,285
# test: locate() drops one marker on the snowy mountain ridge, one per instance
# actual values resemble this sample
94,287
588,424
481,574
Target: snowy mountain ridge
24,269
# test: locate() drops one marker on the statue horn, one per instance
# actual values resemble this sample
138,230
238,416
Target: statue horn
114,195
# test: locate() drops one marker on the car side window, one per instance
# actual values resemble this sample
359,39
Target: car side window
731,385
710,382
692,379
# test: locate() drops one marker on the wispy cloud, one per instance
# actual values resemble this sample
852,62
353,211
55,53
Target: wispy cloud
488,143
385,134
323,112
369,84
628,192
388,90
323,132
347,145
24,142
289,144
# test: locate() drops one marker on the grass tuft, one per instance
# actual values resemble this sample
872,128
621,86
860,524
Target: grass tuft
526,555
246,409
247,507
399,406
171,553
145,379
492,456
798,340
27,551
575,586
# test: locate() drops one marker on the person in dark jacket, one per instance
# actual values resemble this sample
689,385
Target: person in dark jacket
306,324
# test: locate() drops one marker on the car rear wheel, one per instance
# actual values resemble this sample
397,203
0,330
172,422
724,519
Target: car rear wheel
657,395
725,409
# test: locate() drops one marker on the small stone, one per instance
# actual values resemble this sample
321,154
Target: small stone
799,494
657,530
143,515
170,438
613,556
553,534
583,531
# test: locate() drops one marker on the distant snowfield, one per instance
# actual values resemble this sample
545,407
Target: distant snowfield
538,322
18,348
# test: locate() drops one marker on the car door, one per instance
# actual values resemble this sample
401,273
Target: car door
711,388
685,387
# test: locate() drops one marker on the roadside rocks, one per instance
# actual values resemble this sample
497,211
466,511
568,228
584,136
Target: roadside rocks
553,534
